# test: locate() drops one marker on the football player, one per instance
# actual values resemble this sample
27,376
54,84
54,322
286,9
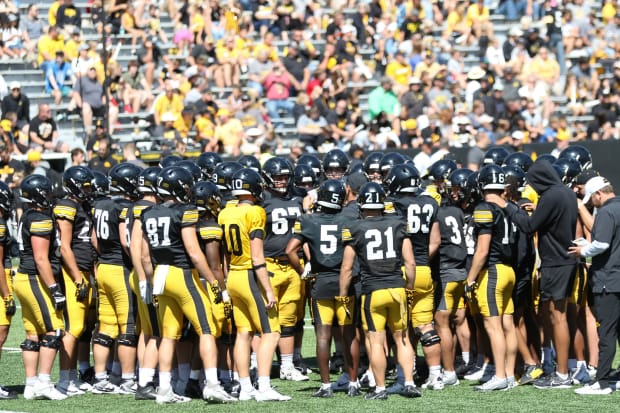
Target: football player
420,215
222,177
40,296
372,167
8,308
117,304
75,227
249,285
283,209
142,288
321,233
174,264
381,245
439,173
335,164
491,278
207,161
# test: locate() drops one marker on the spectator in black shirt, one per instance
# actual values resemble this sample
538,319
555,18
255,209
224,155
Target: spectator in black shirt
43,131
103,161
333,32
17,102
297,65
68,16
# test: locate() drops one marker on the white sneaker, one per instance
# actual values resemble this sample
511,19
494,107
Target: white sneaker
494,384
433,383
449,379
128,387
82,385
475,375
43,391
217,394
292,374
593,390
511,383
488,373
244,396
167,396
69,388
104,386
270,395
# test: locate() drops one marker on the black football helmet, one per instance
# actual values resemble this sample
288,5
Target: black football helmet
169,160
207,161
77,181
247,181
579,153
458,183
36,190
388,161
250,161
101,185
473,195
192,168
371,196
278,174
331,194
357,166
304,177
6,198
312,161
568,169
519,159
402,178
207,197
491,177
546,157
495,156
147,181
222,174
335,164
372,166
441,170
124,179
514,177
175,182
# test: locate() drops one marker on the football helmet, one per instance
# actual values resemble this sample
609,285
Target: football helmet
312,161
372,166
546,157
207,161
441,170
403,178
278,174
169,160
192,168
36,190
207,197
335,164
250,161
495,156
247,181
371,196
6,198
472,192
568,169
388,161
222,174
101,185
579,153
175,182
457,183
124,179
491,177
147,180
519,159
514,177
304,177
77,181
331,194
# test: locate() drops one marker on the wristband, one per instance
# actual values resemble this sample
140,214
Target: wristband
225,296
259,266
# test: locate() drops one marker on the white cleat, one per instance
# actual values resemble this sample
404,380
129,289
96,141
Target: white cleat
167,396
293,374
270,395
217,394
69,388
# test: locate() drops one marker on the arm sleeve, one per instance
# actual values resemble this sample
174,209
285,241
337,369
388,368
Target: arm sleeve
602,234
595,248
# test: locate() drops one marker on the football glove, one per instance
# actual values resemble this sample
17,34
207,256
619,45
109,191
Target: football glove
146,292
409,294
58,297
217,292
470,291
81,292
9,306
344,301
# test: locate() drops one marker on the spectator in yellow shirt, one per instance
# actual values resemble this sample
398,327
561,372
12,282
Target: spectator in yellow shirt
71,47
546,69
228,133
48,45
170,101
205,129
228,59
477,15
400,71
51,14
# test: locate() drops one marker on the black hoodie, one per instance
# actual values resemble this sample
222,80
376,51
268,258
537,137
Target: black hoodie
555,217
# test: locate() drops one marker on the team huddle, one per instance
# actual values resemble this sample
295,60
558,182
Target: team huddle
187,278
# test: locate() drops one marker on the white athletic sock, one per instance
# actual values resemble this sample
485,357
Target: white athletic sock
264,383
211,376
409,383
379,389
325,386
31,381
165,378
246,384
44,378
287,361
145,376
465,355
434,370
128,376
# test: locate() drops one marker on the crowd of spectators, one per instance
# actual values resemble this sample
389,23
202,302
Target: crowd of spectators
235,76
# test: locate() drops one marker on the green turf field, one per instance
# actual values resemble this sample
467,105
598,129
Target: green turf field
460,398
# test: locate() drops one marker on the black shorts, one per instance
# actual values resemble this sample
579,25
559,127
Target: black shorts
522,293
556,283
99,112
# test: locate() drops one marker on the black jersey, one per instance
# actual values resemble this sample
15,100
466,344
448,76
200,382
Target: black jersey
282,212
80,218
323,232
453,248
37,224
162,225
526,253
378,244
134,213
5,238
351,210
420,213
491,219
208,230
108,214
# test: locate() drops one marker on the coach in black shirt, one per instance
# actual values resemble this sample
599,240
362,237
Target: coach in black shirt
604,277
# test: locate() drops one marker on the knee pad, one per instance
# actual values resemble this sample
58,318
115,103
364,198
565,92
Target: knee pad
29,345
54,342
103,340
128,340
299,327
287,331
430,338
228,339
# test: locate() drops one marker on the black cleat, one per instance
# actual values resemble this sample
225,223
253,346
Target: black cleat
354,391
411,392
324,393
382,395
193,389
147,392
